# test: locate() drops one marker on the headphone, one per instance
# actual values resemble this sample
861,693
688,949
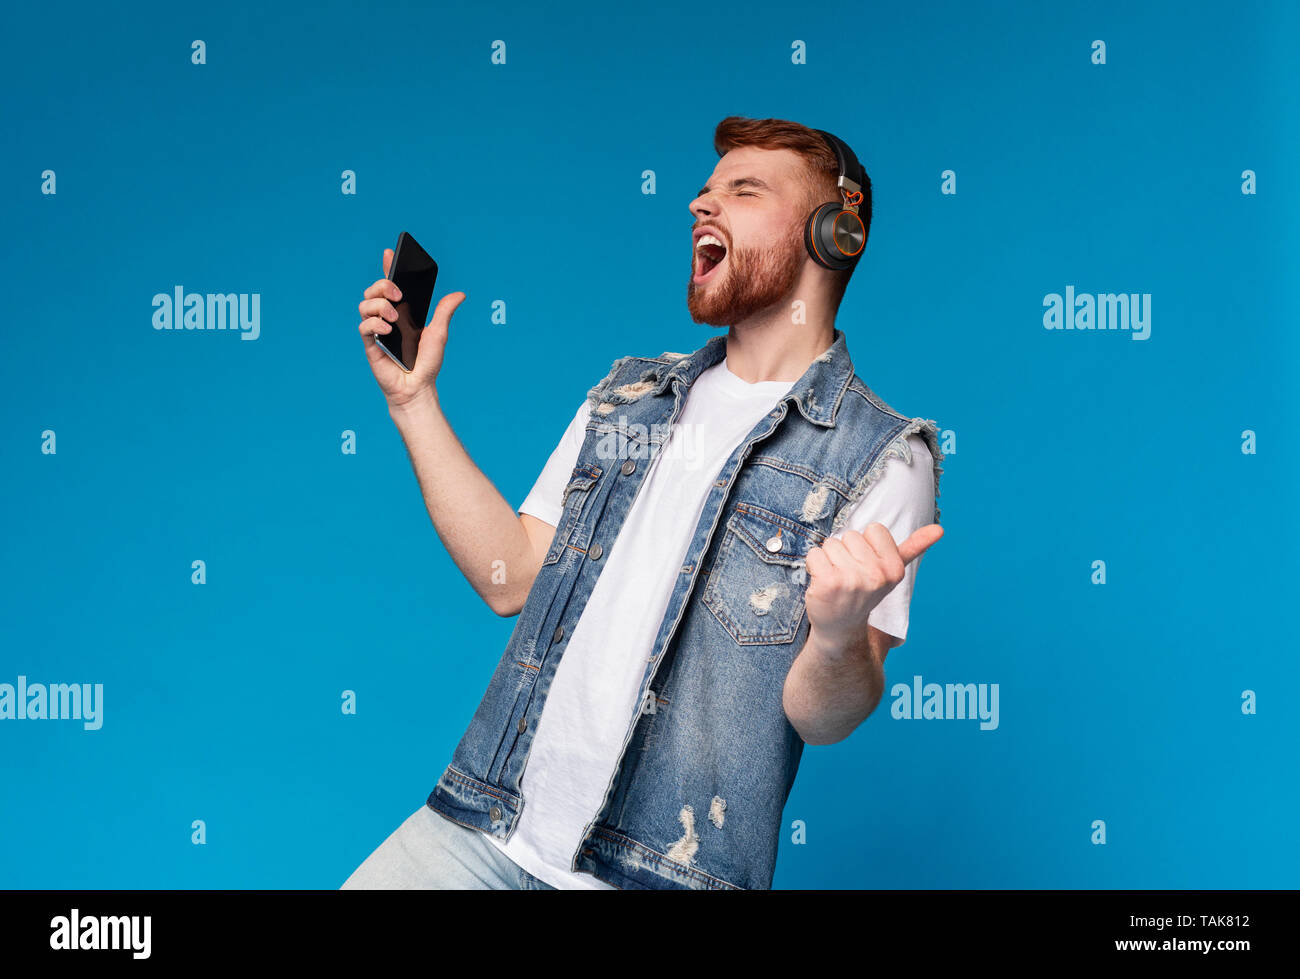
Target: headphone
835,233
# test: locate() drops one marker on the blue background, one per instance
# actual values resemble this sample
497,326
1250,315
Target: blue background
222,703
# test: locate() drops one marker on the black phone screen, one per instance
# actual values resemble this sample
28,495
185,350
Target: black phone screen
415,273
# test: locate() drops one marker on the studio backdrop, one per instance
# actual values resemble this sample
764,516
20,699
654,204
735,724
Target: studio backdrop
254,655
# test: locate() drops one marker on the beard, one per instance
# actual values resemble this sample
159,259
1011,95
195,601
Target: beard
753,280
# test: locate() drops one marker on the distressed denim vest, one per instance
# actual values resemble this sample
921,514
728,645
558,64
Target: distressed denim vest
708,761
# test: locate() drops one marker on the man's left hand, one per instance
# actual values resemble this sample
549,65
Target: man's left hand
849,576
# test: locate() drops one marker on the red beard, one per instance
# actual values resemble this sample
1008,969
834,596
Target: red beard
752,281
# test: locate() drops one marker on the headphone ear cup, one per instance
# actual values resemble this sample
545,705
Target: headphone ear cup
849,234
827,248
809,227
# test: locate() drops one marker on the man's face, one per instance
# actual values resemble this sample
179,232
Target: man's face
755,205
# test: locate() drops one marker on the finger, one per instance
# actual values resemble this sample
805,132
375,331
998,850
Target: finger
817,564
881,540
369,328
858,546
837,553
388,261
385,288
377,307
439,327
888,559
447,305
916,544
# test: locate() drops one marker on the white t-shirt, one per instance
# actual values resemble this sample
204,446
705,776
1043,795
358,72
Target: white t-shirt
579,736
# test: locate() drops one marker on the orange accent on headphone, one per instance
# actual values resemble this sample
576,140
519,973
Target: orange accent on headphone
852,199
837,244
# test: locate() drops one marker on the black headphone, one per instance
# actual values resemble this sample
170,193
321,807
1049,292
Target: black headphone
835,233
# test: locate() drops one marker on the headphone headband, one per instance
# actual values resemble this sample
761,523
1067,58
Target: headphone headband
835,233
851,171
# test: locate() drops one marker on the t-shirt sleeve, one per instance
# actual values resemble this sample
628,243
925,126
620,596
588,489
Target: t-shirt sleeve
543,500
903,500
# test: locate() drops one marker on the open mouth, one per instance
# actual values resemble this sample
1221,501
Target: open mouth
709,254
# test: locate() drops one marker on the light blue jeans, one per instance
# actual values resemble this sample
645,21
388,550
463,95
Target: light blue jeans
430,852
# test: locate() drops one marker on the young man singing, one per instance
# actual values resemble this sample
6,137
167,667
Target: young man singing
708,572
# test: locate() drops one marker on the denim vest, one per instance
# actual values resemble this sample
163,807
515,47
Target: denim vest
709,760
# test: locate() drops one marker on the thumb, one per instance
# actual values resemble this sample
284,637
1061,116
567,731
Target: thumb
916,544
431,347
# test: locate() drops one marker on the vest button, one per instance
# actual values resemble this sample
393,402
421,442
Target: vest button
774,543
559,634
494,813
628,467
595,552
523,725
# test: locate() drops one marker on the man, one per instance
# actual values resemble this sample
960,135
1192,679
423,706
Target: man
706,572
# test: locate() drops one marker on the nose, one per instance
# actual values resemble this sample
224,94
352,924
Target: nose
703,206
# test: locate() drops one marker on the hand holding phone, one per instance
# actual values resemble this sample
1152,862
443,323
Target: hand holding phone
414,273
404,360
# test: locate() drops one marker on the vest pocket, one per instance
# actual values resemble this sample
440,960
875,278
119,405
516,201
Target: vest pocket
756,587
575,495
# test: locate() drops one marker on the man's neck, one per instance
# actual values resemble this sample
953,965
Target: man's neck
772,347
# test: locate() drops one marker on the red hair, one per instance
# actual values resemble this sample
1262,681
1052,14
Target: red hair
823,166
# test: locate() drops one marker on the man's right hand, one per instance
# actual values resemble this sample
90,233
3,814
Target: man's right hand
377,316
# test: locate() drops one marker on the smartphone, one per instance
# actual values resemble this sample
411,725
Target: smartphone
413,272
